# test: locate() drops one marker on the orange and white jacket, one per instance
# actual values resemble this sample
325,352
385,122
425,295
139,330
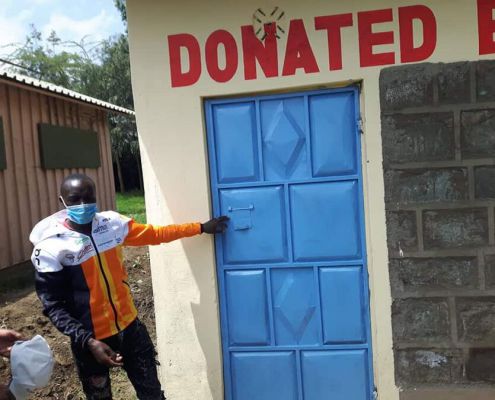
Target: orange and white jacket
81,280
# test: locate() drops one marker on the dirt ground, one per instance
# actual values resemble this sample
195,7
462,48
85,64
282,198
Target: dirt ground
21,310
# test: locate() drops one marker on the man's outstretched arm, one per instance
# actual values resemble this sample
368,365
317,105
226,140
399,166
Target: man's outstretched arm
147,234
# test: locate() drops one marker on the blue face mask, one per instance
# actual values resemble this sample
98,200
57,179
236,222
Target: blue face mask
82,213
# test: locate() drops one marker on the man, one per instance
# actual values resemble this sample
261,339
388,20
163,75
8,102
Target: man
82,283
7,339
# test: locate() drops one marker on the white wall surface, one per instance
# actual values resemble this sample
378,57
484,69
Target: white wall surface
173,145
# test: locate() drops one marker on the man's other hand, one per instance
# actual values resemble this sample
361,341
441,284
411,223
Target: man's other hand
215,225
104,354
7,339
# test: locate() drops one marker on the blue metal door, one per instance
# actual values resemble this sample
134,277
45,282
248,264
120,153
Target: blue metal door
292,267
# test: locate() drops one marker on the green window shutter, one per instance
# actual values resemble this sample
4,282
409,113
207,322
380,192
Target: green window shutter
3,156
62,147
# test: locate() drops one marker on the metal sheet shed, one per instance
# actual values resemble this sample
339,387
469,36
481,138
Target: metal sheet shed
28,191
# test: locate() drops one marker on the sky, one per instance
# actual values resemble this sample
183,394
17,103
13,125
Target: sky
70,19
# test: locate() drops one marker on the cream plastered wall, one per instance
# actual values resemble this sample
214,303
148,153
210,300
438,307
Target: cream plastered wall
173,147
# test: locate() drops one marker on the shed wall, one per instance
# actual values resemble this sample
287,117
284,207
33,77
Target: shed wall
29,193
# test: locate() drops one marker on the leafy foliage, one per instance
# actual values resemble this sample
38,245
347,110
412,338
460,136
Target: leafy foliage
40,59
100,70
121,6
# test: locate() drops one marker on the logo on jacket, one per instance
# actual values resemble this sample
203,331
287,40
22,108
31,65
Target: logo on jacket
87,249
101,229
70,257
82,240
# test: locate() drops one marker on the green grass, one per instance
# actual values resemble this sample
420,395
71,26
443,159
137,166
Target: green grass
132,205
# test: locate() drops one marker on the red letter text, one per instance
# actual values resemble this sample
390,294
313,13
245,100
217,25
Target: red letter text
298,53
486,26
333,25
368,39
231,57
409,53
254,50
177,76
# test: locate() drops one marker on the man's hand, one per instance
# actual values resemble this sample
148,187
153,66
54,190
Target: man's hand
7,339
5,393
104,354
215,225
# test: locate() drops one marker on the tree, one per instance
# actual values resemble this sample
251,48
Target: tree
42,60
100,70
121,6
115,87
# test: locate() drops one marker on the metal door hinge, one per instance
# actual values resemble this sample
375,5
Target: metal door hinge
359,125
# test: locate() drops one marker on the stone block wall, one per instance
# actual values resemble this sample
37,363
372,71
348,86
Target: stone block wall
438,136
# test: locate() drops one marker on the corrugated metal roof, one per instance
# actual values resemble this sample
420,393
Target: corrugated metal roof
50,87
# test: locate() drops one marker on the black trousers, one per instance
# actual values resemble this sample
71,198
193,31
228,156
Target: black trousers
135,346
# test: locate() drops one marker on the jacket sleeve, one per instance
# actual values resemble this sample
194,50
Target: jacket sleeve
52,290
146,234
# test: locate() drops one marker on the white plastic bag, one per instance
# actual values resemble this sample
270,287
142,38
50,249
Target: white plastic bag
31,363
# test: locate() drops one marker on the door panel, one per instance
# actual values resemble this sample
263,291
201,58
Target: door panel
248,310
335,375
236,140
325,223
257,231
294,305
342,305
292,278
264,376
332,117
284,139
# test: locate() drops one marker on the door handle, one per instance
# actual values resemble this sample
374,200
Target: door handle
232,209
241,217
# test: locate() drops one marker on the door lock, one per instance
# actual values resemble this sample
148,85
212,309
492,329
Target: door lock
241,218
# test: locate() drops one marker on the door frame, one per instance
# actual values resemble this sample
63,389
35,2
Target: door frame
355,87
